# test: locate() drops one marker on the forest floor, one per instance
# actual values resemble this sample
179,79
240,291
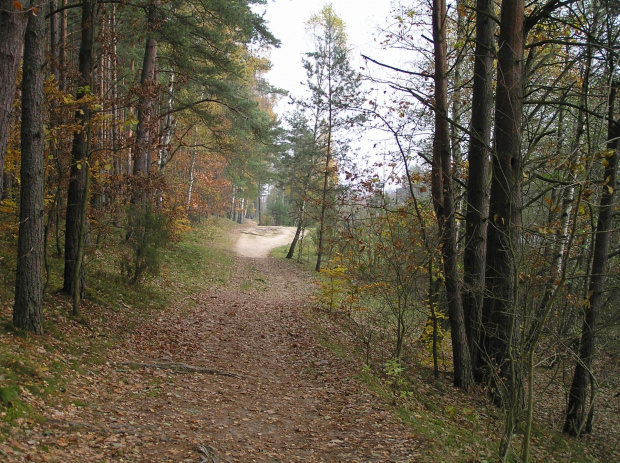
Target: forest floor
236,364
232,374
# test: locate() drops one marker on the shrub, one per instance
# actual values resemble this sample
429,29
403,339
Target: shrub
147,233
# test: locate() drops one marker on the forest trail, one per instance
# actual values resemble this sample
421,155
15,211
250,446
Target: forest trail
235,373
257,242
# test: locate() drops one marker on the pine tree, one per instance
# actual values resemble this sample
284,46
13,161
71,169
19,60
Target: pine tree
12,26
29,275
334,89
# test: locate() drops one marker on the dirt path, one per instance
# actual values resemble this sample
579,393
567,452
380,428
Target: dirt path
240,376
258,242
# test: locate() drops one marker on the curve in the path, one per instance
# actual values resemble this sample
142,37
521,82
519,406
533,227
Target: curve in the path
258,242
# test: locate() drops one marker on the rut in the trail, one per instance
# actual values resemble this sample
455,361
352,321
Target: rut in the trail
289,399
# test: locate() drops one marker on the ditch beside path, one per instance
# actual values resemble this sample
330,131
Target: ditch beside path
233,374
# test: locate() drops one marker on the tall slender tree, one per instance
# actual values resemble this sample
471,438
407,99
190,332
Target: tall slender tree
148,91
580,410
442,185
499,322
478,156
334,88
77,196
29,276
12,28
500,325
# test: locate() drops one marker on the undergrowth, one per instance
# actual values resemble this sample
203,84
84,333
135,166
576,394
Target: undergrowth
458,427
35,370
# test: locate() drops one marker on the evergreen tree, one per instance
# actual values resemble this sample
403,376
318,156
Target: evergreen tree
297,167
334,89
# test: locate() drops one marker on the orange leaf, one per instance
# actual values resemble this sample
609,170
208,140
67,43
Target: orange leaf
18,5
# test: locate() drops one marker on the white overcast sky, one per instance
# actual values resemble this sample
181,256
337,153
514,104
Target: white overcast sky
287,18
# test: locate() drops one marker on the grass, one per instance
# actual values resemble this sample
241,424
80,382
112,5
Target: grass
308,261
35,369
309,255
461,427
456,426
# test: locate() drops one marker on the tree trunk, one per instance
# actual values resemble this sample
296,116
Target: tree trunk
170,123
500,328
12,28
456,136
328,159
300,224
141,161
190,183
54,40
580,411
476,218
29,276
444,203
80,151
500,324
260,207
62,48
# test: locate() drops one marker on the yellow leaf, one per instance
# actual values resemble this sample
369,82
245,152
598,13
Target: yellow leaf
610,189
605,162
608,153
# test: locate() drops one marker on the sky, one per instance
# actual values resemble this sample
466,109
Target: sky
286,20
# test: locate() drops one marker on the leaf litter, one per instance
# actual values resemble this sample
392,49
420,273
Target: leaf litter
235,376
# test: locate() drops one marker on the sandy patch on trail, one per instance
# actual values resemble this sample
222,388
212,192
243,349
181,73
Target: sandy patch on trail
257,242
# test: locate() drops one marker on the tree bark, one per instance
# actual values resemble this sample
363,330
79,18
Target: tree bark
300,224
190,183
328,158
500,327
29,275
580,411
319,257
444,203
12,28
476,218
260,207
80,151
54,30
144,129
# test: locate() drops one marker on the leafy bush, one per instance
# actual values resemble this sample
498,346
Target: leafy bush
147,233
